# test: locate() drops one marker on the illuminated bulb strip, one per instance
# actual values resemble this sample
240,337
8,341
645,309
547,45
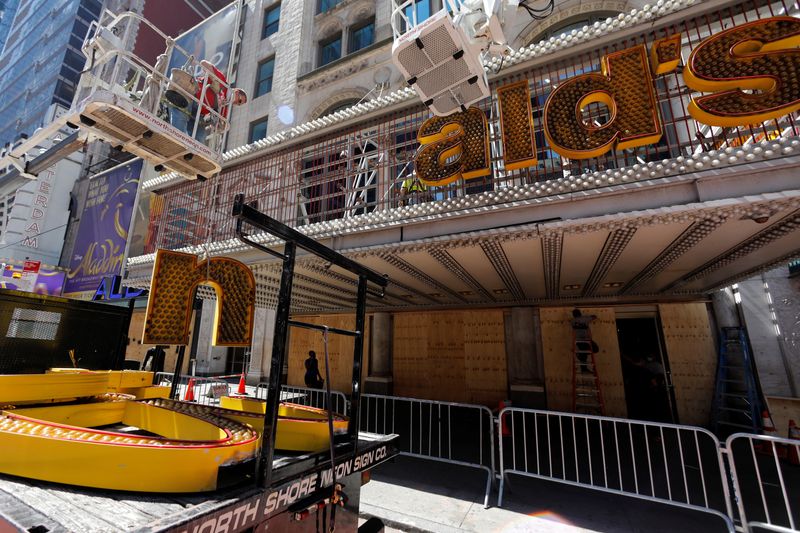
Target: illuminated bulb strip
238,433
529,193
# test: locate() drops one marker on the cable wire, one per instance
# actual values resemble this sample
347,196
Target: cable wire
538,13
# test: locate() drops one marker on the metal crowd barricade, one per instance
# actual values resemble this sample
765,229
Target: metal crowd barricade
207,390
456,433
766,477
677,465
308,396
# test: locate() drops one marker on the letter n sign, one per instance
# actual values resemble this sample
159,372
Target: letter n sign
169,308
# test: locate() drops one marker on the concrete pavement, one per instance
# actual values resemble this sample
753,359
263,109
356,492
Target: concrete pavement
418,495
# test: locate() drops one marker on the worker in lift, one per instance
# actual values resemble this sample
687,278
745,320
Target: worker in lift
212,90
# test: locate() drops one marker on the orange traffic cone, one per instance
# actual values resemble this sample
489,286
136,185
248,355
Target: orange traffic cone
794,449
504,429
766,423
242,390
189,396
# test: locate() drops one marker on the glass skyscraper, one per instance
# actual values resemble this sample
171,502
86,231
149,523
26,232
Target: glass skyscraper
41,61
7,10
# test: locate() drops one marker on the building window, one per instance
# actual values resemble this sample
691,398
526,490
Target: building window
272,17
258,130
330,50
361,36
264,79
327,5
418,11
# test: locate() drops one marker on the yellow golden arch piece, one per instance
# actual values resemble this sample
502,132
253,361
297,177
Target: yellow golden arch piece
176,276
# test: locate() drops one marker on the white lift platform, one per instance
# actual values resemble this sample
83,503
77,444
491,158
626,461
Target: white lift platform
121,100
441,54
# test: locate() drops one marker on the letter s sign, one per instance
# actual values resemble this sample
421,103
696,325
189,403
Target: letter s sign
758,56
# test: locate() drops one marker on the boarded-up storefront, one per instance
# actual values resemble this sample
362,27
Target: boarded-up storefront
688,343
692,359
454,356
340,351
557,349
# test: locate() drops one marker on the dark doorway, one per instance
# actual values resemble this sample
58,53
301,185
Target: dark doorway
645,370
237,360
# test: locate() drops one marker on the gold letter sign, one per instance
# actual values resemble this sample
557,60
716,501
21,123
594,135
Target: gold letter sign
516,125
453,147
756,56
625,87
169,307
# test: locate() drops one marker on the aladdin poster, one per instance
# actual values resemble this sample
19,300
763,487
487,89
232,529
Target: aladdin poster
103,231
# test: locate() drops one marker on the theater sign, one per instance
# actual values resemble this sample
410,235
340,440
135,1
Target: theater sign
748,73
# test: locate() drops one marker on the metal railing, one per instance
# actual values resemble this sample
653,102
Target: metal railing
206,390
308,396
677,465
766,476
667,463
456,433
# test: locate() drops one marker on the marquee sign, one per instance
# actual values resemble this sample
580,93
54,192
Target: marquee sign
176,276
752,72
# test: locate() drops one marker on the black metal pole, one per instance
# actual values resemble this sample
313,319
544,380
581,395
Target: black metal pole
176,376
305,325
123,341
280,346
282,231
358,357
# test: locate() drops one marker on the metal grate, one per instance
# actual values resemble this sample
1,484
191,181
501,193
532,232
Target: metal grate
439,44
37,333
443,76
33,324
414,60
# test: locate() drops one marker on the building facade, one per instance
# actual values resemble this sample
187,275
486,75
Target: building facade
485,270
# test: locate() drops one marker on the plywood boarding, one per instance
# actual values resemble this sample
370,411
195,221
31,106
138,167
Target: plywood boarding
557,348
451,356
485,366
340,351
692,359
782,410
136,350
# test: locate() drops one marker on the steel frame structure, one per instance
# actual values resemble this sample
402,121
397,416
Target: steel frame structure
245,214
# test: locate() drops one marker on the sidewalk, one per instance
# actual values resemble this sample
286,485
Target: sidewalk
417,495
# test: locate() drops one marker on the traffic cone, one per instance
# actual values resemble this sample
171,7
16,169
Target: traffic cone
242,390
189,396
767,428
766,423
794,452
504,429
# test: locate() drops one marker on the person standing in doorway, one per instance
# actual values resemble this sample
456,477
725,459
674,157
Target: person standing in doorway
313,378
154,357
